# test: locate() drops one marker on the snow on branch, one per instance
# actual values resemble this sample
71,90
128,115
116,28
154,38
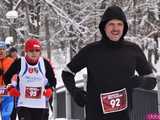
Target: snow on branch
155,27
15,7
61,13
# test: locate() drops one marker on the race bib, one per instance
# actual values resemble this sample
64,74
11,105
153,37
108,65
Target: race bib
33,92
114,101
3,91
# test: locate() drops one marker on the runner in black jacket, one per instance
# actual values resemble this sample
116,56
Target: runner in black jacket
111,64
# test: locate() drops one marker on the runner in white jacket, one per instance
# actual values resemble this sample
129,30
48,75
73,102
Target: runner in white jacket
36,82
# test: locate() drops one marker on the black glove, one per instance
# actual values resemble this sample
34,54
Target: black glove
80,97
147,83
135,81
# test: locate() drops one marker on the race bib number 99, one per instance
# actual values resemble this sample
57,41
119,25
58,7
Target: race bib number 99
33,92
114,101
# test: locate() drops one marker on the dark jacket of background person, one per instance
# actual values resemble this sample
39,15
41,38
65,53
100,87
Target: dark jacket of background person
110,66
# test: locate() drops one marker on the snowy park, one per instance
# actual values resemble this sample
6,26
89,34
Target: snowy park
65,26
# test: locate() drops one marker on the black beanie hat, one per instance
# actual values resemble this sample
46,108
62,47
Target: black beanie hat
12,50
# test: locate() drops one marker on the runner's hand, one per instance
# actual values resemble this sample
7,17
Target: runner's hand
135,81
48,92
80,97
12,91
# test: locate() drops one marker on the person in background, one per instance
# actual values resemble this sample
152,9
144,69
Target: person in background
36,82
111,65
13,53
6,102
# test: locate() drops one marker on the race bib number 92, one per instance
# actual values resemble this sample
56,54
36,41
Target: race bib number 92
114,101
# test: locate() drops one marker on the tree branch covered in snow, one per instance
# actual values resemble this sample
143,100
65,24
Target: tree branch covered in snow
77,20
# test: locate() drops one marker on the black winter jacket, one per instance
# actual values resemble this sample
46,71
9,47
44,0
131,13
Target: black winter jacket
110,67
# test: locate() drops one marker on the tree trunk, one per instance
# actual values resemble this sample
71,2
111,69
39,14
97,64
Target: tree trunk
47,36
